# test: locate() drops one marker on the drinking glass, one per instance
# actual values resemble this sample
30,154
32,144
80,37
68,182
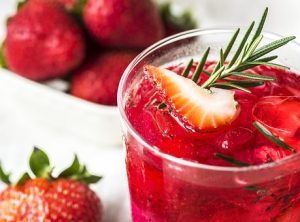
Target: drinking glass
164,188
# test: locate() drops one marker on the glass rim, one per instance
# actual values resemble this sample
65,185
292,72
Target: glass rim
180,161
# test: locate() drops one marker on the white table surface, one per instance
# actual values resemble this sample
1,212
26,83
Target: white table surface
18,134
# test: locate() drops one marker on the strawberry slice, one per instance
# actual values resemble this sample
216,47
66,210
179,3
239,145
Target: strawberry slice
200,108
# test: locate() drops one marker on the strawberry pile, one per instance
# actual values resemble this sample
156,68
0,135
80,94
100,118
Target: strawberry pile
44,197
87,43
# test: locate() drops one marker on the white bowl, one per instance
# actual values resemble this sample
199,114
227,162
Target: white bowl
48,107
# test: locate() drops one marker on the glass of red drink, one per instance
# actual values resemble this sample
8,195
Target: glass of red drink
172,171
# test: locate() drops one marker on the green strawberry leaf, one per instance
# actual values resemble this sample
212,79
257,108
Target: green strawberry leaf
4,177
90,179
79,172
20,4
25,177
71,170
78,7
84,176
40,164
179,21
2,58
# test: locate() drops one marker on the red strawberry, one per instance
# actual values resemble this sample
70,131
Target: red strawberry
97,80
130,23
43,41
46,198
199,108
68,4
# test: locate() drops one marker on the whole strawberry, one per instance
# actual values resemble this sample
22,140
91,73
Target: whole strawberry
47,198
130,23
97,80
43,41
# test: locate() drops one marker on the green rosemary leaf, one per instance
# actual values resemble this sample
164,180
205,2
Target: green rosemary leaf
241,46
222,60
253,47
249,65
245,83
231,43
243,53
268,59
268,64
228,48
187,69
206,72
252,188
161,106
244,67
271,47
215,76
228,85
200,66
217,67
252,76
260,25
231,160
271,137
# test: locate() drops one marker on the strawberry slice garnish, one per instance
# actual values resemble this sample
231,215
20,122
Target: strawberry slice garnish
200,108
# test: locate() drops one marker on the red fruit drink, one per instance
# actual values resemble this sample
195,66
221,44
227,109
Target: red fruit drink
173,171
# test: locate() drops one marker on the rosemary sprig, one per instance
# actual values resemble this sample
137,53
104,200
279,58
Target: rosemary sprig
231,160
247,56
263,130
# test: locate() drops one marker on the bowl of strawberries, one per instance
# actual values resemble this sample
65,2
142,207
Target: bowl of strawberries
62,60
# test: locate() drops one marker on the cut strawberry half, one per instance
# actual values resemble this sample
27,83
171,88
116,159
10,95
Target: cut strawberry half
200,108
